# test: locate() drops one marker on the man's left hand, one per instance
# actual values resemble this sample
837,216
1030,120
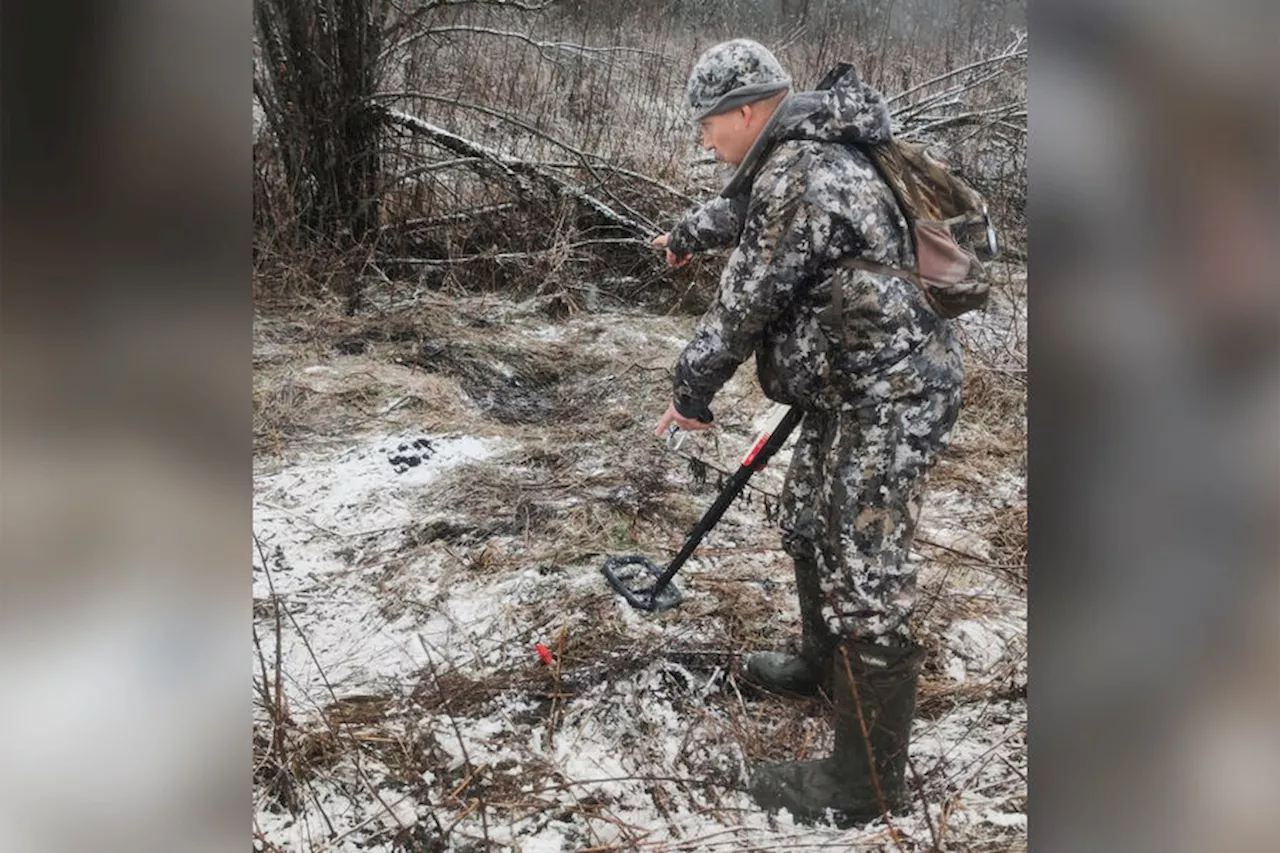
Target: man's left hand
673,260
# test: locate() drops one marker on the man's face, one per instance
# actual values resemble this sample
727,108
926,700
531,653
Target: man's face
729,135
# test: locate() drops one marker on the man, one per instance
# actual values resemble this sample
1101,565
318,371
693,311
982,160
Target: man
875,371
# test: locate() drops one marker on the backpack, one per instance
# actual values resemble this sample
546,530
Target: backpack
946,218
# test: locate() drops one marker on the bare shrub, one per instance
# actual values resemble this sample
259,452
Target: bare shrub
574,146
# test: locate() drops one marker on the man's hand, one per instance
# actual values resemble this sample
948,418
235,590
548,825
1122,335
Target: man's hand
674,417
673,260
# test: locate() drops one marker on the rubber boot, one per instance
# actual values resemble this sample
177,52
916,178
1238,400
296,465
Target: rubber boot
864,776
806,673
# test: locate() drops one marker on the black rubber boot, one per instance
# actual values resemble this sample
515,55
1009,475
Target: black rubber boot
806,673
864,776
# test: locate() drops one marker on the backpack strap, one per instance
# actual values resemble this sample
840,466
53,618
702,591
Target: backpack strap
873,267
913,276
875,153
917,204
835,316
958,219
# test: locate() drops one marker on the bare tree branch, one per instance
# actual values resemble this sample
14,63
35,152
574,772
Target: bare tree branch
449,218
586,160
1016,52
409,17
543,47
434,166
445,4
944,98
518,171
981,117
455,143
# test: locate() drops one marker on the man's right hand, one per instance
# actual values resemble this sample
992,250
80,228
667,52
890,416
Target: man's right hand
673,416
673,260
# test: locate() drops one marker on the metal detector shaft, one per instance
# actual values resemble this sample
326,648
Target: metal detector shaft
753,463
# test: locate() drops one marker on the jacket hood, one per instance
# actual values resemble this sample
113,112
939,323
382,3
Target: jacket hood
849,112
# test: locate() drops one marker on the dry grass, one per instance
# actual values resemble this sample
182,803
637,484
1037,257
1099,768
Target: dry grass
579,483
1007,533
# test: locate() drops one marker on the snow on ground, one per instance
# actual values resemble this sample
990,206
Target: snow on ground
406,610
319,518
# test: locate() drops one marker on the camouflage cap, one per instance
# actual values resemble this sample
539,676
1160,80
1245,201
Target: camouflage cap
731,74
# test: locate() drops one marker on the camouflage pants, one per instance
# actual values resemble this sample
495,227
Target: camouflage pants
851,502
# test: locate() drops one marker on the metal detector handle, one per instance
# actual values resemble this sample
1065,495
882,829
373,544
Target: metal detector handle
757,459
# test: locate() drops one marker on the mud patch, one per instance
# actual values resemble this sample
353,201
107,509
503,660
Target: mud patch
507,385
451,532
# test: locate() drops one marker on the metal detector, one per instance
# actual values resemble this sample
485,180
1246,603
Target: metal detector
647,587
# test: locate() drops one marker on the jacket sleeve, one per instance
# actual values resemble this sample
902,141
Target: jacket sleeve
715,224
785,243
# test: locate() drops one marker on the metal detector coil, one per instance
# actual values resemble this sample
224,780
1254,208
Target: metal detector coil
628,575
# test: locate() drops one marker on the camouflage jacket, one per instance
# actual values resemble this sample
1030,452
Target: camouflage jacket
804,198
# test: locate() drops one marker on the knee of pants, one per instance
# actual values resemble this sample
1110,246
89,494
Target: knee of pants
800,540
799,547
879,629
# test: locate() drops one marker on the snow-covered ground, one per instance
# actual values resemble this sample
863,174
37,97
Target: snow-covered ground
410,559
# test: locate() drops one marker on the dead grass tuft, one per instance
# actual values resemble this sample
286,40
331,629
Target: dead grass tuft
996,400
283,412
1007,532
779,729
459,693
358,710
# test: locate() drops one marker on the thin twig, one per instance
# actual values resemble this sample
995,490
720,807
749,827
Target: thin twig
552,719
535,254
462,743
871,758
338,839
543,47
974,118
1016,52
924,805
450,218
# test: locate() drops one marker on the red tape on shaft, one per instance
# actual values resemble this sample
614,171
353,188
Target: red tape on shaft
751,454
